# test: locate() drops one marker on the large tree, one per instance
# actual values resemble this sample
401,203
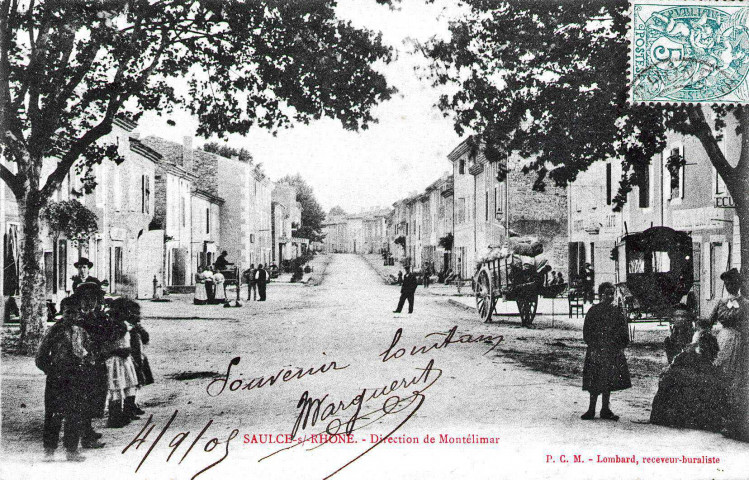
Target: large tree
67,69
312,213
548,80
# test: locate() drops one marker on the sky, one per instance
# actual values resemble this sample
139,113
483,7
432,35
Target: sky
402,154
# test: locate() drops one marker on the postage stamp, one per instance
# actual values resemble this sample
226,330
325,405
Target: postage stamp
689,52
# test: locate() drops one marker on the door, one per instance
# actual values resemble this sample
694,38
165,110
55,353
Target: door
118,270
150,261
178,266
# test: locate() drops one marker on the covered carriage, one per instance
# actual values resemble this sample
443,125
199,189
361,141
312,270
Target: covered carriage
654,271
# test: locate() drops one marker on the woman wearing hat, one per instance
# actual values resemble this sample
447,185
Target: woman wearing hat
83,265
729,318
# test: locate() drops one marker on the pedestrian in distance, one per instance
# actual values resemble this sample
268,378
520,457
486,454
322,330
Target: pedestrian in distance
62,356
251,283
588,284
261,279
605,369
408,289
219,280
201,295
210,285
400,277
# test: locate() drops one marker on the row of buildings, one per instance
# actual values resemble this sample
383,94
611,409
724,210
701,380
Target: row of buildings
163,212
479,209
459,216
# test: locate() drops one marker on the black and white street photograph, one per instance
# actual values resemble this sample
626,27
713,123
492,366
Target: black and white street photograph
367,239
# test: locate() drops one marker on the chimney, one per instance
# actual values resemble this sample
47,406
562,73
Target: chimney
187,162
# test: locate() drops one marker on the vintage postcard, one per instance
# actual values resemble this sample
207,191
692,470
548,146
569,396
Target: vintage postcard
338,239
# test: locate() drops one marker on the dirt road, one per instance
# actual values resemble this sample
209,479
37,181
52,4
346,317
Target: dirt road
327,343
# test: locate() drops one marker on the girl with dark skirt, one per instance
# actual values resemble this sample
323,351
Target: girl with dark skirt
605,369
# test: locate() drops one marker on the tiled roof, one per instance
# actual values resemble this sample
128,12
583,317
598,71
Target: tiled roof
205,165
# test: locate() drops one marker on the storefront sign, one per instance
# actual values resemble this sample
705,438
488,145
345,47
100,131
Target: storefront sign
697,218
724,202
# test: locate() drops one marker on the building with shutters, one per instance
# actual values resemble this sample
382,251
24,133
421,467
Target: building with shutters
690,198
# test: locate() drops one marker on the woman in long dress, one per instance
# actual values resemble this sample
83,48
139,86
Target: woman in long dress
201,296
605,370
690,392
220,295
732,333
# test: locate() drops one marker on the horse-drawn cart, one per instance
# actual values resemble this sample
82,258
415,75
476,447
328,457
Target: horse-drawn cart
512,277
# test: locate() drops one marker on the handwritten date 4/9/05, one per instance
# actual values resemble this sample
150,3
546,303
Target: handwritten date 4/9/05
178,439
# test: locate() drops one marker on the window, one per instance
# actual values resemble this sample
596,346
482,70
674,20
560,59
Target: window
608,184
716,267
661,262
118,276
461,166
486,202
182,211
145,187
719,186
461,210
118,187
100,184
208,220
643,181
675,174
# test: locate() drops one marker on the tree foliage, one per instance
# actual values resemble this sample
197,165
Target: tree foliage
336,211
312,213
71,219
446,242
69,68
227,152
548,80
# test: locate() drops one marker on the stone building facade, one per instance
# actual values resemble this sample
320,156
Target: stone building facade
488,211
691,198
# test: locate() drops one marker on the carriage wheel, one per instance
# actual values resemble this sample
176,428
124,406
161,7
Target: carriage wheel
527,307
485,300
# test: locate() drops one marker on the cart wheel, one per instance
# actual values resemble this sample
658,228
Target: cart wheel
527,307
485,300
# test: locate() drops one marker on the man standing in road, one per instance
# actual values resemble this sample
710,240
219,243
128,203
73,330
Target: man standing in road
261,278
408,288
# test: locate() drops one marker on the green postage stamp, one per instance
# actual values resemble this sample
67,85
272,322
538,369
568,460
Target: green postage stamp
689,52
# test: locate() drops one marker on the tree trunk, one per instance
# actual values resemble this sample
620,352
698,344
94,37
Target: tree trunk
33,306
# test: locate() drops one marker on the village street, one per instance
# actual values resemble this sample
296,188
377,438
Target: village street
348,319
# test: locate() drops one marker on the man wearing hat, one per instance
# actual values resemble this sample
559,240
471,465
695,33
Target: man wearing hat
221,262
84,265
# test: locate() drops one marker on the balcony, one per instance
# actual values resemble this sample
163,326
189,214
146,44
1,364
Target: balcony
476,168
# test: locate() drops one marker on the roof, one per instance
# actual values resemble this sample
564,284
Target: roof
207,196
461,149
171,153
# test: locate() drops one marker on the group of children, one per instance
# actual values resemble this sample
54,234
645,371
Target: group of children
92,356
